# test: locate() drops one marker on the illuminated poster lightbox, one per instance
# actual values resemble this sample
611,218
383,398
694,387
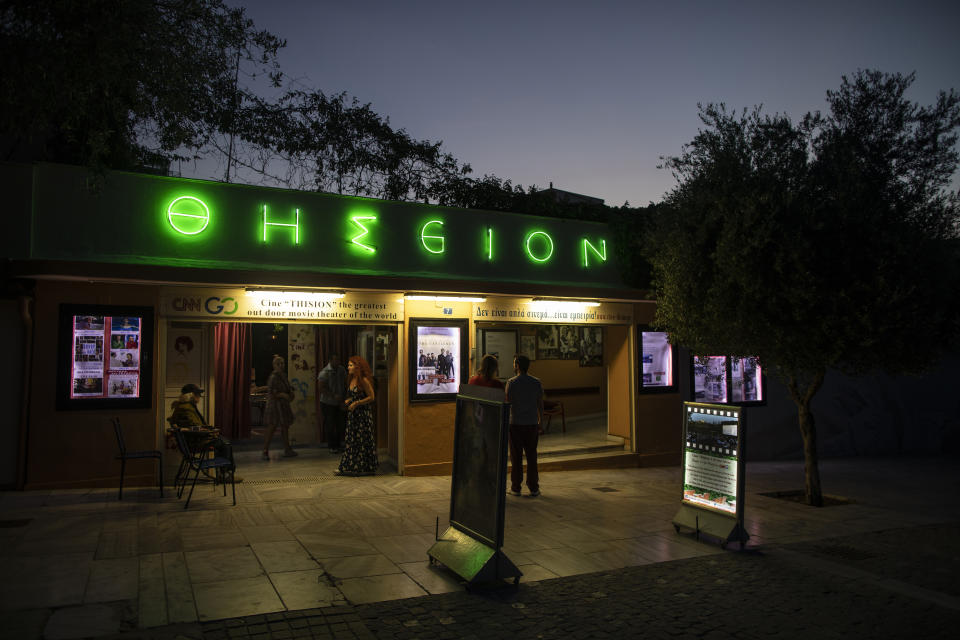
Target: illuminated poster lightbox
438,358
657,361
711,456
105,354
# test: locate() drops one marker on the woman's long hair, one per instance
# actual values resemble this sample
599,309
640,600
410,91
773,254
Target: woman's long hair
361,370
488,367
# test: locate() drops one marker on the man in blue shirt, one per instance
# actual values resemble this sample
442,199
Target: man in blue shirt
525,395
332,383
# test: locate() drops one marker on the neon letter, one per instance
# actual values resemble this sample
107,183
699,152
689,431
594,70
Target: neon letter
296,225
490,244
549,245
602,253
363,232
424,236
190,224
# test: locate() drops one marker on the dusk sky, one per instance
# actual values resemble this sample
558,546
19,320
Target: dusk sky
589,95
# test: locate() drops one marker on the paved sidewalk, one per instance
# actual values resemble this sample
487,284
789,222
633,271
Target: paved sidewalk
596,563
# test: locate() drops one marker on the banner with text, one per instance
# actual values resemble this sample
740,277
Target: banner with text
550,312
285,306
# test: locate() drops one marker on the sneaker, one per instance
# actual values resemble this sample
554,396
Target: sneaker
533,494
514,493
265,456
290,454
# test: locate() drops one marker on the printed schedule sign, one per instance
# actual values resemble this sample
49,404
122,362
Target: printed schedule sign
106,357
711,456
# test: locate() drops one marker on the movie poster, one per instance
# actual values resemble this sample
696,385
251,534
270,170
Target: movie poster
438,355
710,379
657,357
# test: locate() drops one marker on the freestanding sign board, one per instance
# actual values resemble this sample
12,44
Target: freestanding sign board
712,495
470,547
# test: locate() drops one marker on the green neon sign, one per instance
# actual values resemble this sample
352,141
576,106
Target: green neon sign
490,243
295,226
546,249
600,253
363,232
433,239
188,215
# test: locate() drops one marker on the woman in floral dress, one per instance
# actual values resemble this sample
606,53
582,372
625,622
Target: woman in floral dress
360,447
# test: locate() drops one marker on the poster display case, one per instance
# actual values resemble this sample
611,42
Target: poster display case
104,357
657,362
728,380
438,359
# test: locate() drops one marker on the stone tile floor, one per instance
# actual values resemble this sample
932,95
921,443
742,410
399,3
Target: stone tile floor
80,563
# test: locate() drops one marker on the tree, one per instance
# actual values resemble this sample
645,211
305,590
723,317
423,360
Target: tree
121,83
826,244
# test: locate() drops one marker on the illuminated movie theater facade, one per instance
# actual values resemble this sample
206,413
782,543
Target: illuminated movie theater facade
131,289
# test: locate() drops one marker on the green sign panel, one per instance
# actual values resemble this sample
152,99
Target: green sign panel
147,219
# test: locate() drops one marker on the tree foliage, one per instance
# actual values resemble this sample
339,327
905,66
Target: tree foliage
122,83
830,243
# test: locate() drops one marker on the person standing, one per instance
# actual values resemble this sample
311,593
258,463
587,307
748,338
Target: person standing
487,373
332,382
360,446
525,395
278,412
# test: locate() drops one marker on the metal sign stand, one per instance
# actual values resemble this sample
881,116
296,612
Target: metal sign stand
477,557
724,527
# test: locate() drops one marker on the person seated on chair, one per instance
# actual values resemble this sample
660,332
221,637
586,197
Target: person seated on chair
185,411
186,415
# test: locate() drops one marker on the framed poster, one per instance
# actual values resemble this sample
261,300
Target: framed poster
438,359
569,342
746,381
503,345
658,362
710,379
105,357
528,346
548,343
591,346
728,380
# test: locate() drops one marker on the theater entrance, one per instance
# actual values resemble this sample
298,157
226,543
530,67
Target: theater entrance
585,374
232,362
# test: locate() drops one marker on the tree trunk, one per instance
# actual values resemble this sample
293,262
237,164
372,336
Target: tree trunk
808,430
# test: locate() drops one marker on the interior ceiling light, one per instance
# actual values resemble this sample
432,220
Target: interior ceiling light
286,295
443,298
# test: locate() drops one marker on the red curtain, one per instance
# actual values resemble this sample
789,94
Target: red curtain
334,339
232,344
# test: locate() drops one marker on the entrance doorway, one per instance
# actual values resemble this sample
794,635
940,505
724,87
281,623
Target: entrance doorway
585,381
232,362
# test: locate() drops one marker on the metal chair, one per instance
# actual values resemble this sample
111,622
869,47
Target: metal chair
134,455
554,408
221,464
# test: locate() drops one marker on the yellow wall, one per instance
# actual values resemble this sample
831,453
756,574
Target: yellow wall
428,426
616,353
77,448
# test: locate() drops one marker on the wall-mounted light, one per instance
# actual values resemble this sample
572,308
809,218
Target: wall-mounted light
269,294
562,302
443,298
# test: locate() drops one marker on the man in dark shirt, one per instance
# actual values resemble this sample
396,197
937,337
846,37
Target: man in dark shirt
525,395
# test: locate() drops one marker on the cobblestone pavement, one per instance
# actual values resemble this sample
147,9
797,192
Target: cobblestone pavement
898,583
